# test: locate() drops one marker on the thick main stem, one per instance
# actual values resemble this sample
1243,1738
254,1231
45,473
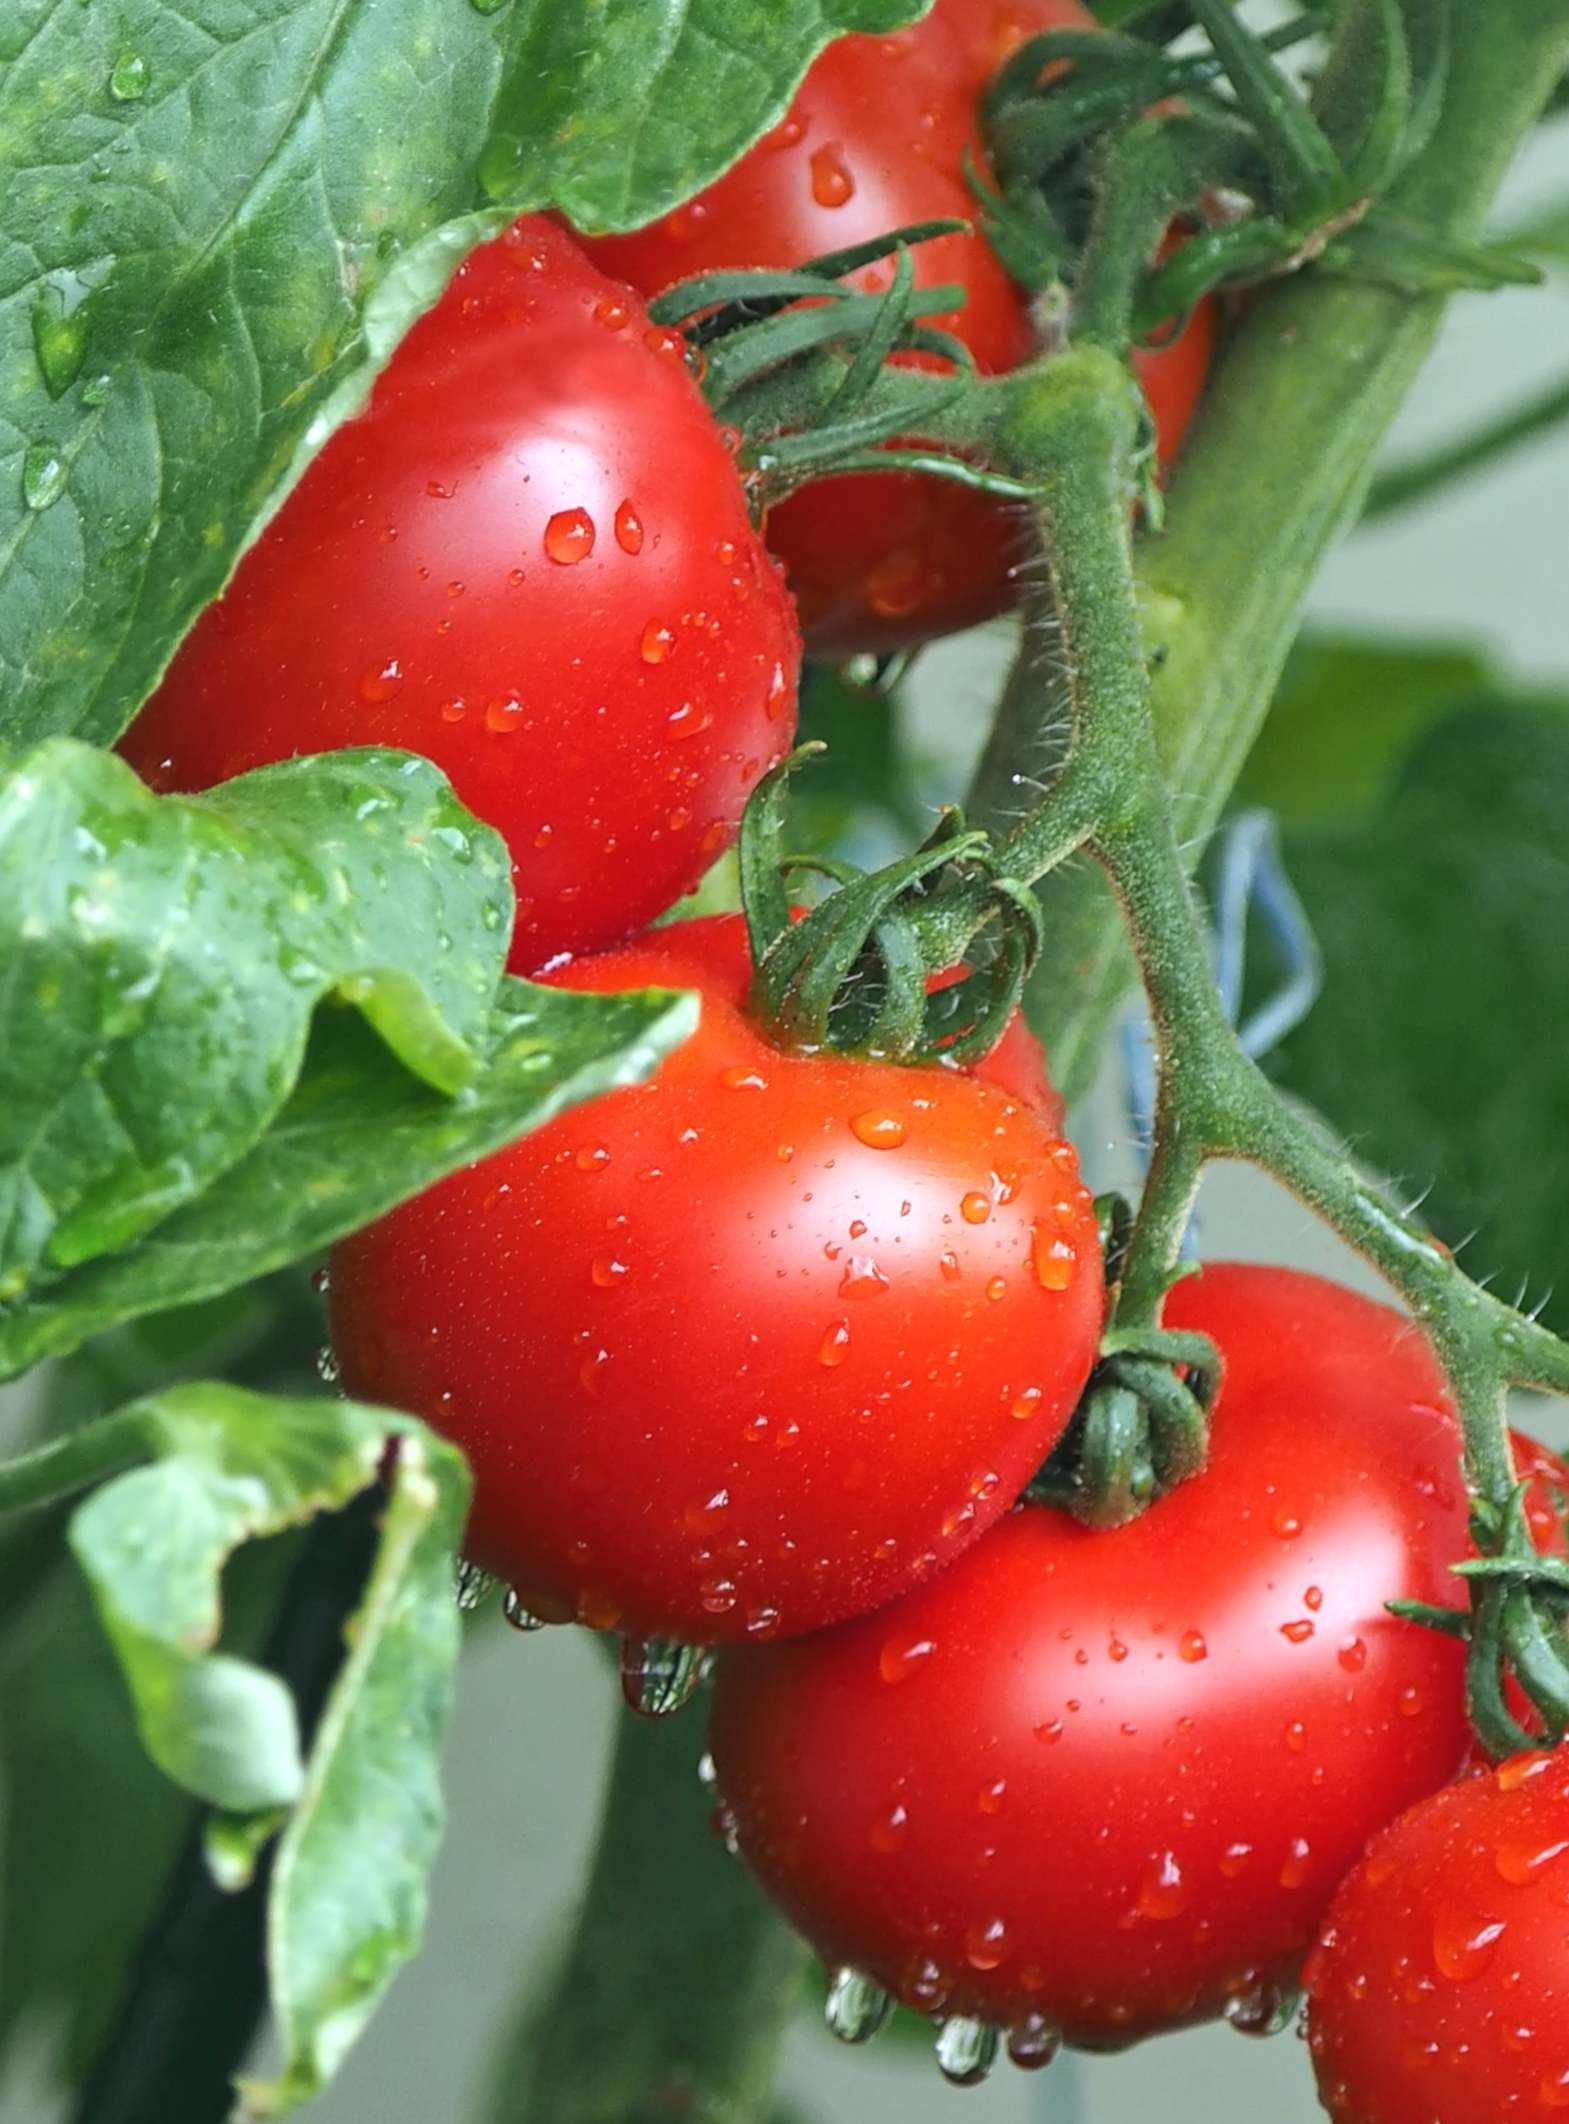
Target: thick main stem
1272,474
680,1979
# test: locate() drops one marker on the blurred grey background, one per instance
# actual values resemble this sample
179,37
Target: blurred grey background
1490,562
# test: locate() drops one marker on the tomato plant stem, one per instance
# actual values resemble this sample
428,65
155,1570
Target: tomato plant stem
90,1455
680,1979
1273,472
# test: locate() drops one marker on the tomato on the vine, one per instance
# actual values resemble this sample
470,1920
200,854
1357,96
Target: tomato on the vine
1439,1992
1104,1784
876,139
748,1348
530,559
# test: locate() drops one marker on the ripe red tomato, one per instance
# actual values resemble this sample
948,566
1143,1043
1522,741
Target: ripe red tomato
531,560
1105,1783
876,139
1439,1992
746,1349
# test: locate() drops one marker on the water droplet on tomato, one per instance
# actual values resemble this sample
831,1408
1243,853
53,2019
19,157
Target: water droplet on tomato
966,2050
856,2007
1285,1525
879,1129
1264,2011
569,537
862,1278
658,1675
832,182
1033,2042
718,1595
887,1834
1298,1632
948,1264
986,1944
605,1272
1191,1646
591,1158
612,312
975,1207
454,711
1519,1769
742,1077
1297,1865
1054,1259
629,529
1234,1858
471,1585
991,1796
777,699
1520,1862
657,642
503,715
1463,1942
519,1614
1352,1654
903,1656
689,720
1412,1702
835,1345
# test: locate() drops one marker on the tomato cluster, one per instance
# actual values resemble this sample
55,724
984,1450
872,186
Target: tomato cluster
763,1354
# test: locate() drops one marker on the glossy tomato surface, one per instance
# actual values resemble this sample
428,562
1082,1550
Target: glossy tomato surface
1440,1991
876,139
1106,1783
529,559
749,1348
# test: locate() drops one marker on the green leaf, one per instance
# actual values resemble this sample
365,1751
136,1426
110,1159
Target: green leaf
359,1135
363,1816
216,223
164,957
1347,712
1440,1043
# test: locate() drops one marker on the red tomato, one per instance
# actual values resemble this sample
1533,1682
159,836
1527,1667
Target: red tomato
746,1349
531,560
1439,1992
876,139
1105,1783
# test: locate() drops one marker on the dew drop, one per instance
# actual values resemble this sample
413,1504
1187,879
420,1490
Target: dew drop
1298,1632
1026,1404
1054,1259
59,342
718,1595
966,2050
1163,1893
975,1207
1033,2042
689,720
381,681
948,1265
520,1616
879,1129
832,183
605,1272
629,529
1464,1944
1285,1526
569,537
856,2008
835,1345
986,1944
657,642
471,1585
862,1278
888,1832
613,313
1265,2011
902,1656
503,715
991,1796
659,1675
1234,1859
129,77
1518,1863
1519,1769
1352,1654
43,477
777,698
1191,1646
591,1158
1294,1871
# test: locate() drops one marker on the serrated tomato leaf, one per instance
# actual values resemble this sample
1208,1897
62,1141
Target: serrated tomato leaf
215,223
163,958
1440,1042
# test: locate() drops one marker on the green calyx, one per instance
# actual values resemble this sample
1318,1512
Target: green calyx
1101,143
921,962
1515,1629
815,375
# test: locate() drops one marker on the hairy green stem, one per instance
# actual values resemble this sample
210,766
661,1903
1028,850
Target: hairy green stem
1274,471
680,1979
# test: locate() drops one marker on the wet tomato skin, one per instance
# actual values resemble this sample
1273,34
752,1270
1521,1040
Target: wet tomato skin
530,559
1111,1780
876,139
1439,1991
749,1348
